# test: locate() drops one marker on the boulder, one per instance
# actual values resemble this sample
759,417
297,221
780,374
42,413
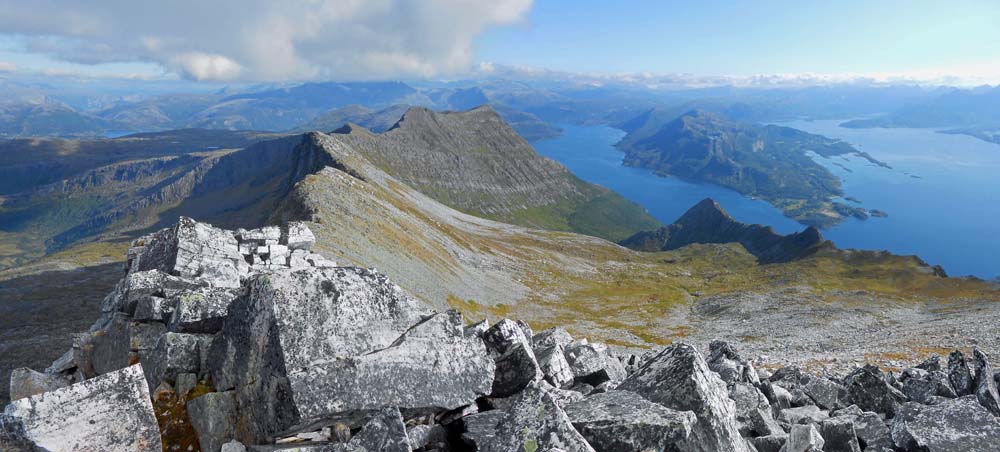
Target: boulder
174,353
552,337
984,386
824,392
234,446
679,378
25,382
423,435
920,385
201,310
112,412
624,421
592,363
297,236
959,374
516,364
954,425
769,443
477,329
868,389
213,417
868,426
311,345
779,397
516,368
804,438
481,428
808,414
191,250
839,435
385,432
725,361
534,422
553,364
753,413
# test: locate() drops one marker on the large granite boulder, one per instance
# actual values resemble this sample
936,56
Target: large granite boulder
111,413
951,426
839,435
868,426
679,378
310,345
804,438
753,412
620,421
213,417
552,361
534,422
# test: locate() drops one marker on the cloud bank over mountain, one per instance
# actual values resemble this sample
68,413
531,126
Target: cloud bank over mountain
258,40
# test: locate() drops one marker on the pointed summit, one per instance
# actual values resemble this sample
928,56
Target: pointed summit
708,222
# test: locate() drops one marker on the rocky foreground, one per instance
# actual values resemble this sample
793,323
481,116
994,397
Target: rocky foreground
247,340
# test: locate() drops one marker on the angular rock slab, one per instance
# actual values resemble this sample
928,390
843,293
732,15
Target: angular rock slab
110,413
307,345
592,363
213,417
955,425
624,421
869,390
679,378
535,423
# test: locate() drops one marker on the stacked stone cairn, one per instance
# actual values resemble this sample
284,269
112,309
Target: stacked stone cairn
246,340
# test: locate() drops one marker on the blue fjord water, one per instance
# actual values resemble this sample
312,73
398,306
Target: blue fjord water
942,193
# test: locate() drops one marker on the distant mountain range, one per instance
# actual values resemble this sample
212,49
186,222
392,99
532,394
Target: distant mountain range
973,112
769,162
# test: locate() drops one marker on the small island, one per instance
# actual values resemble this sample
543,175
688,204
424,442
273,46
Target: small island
878,213
768,162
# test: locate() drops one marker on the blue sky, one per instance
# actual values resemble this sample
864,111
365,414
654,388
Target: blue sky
744,37
294,40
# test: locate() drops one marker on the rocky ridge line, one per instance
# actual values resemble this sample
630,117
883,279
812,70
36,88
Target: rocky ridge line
220,340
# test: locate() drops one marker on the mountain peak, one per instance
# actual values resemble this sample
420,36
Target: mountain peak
707,210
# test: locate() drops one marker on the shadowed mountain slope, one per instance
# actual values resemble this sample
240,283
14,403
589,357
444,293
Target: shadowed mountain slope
707,222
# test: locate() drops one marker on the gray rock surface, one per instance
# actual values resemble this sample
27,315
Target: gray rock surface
679,378
985,387
724,360
808,414
959,374
385,432
552,337
955,425
804,438
839,435
534,422
624,421
553,364
592,363
213,416
110,413
868,389
753,413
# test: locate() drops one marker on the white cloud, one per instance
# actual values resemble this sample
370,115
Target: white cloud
263,39
7,67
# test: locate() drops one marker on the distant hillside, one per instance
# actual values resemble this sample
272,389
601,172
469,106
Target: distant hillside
527,125
707,222
769,162
26,163
973,112
473,161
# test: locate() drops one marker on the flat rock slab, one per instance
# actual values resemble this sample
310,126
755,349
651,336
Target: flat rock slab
110,413
956,425
624,421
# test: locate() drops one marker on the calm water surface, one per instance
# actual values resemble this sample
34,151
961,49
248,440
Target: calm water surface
942,195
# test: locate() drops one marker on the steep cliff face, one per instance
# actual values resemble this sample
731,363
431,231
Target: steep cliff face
473,161
707,222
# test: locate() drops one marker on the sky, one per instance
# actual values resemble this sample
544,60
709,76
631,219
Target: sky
296,40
